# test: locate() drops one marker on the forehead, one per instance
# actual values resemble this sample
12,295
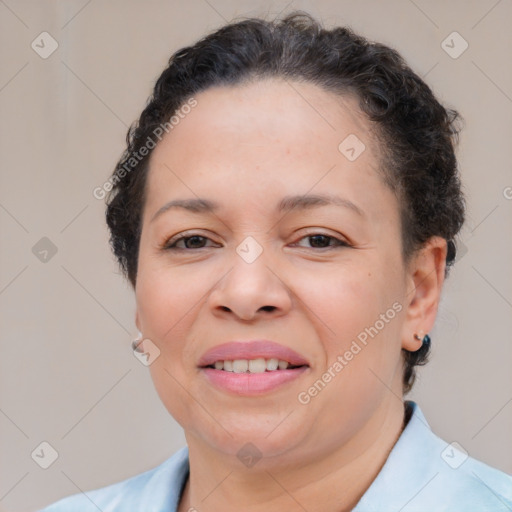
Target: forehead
273,110
263,137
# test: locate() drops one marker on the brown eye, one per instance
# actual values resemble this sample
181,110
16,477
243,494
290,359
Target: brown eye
322,241
187,242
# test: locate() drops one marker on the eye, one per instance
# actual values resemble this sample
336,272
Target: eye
192,241
323,241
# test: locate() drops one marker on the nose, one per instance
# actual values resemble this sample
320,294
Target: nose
250,291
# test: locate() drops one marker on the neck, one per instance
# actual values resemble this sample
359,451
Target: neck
331,483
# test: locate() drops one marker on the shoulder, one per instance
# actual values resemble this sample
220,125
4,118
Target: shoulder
461,481
157,488
466,483
424,473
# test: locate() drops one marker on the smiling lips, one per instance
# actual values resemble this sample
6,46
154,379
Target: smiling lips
252,367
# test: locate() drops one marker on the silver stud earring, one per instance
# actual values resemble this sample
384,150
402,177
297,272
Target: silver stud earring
137,343
425,339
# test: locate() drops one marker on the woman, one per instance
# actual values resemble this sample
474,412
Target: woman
285,211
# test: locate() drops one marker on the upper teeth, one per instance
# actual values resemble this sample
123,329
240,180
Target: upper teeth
251,365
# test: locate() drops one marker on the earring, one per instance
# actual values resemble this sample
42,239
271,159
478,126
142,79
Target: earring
425,340
138,343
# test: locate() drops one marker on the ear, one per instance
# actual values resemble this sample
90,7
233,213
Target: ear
425,278
137,320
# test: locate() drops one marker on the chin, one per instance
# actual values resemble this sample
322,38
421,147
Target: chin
252,437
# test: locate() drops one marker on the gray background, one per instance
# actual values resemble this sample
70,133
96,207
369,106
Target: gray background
67,374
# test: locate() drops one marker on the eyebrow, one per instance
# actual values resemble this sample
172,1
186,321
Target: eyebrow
288,203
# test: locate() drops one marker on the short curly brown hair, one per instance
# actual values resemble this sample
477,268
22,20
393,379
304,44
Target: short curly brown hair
418,135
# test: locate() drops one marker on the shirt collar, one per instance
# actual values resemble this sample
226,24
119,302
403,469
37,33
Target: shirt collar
164,490
408,469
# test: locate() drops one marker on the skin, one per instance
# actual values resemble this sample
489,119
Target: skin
247,147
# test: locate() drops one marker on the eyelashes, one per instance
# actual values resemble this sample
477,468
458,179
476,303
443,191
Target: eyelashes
337,241
172,243
191,242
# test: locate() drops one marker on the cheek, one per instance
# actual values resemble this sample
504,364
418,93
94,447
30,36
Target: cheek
344,301
167,297
358,319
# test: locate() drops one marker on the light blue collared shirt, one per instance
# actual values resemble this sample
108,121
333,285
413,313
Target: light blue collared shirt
422,473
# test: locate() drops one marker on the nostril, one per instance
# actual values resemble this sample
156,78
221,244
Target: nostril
268,308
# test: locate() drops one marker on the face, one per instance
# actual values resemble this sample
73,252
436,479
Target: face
323,283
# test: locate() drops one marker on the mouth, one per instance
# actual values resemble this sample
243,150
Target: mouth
252,367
